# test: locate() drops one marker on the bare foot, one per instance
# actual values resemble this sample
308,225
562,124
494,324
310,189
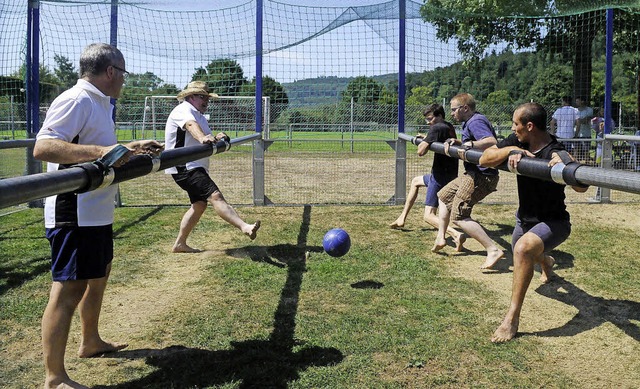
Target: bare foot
459,241
397,224
184,248
100,348
546,268
438,245
65,384
505,332
492,258
252,231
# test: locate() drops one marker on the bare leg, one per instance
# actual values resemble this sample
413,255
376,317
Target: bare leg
475,230
416,184
527,250
89,308
431,217
56,321
228,214
187,224
443,224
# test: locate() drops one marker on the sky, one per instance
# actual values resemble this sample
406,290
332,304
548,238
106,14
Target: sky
153,40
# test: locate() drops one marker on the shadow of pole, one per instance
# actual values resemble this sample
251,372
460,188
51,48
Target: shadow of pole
255,363
592,311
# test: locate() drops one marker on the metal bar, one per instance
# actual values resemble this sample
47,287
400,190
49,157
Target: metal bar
88,176
17,143
538,168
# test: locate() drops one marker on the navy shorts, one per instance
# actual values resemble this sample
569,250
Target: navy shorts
197,183
433,187
80,253
552,233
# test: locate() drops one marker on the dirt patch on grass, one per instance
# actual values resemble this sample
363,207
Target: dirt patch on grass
595,341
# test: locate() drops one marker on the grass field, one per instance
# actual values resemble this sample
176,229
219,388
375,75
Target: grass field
389,314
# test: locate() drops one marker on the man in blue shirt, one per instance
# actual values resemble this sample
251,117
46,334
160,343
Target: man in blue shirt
457,198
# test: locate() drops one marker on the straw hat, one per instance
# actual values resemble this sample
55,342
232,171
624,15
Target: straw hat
196,88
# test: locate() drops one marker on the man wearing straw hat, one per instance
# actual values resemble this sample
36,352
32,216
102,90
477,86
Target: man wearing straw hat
187,126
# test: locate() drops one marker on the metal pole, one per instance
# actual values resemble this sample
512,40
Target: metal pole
259,196
33,88
12,118
571,174
401,150
604,194
92,175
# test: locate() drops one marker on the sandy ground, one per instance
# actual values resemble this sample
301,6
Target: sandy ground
585,334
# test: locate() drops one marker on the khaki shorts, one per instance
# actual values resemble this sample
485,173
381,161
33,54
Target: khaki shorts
461,194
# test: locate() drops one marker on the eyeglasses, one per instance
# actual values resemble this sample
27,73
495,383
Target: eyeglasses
203,97
126,73
454,109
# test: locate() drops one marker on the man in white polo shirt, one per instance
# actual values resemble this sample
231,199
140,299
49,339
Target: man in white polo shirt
187,126
79,128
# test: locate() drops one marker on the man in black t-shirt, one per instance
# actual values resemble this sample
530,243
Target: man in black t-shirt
443,170
542,221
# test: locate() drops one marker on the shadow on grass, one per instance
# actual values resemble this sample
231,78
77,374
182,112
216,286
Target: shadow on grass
15,273
271,363
139,220
592,311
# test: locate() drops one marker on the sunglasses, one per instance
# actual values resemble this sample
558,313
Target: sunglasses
126,73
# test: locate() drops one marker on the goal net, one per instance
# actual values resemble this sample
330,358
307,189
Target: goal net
234,115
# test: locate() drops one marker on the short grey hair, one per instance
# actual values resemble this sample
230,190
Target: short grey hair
96,57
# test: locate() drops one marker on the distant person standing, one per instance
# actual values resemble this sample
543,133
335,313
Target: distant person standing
457,198
597,125
564,120
583,130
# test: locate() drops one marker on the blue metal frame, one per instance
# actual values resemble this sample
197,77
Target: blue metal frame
608,73
402,63
113,41
32,68
259,14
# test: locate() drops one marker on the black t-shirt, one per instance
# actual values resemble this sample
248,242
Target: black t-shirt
443,166
539,200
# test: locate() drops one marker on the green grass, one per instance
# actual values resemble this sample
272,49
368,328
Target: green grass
389,314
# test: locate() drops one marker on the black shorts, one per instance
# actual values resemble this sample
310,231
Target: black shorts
197,183
80,253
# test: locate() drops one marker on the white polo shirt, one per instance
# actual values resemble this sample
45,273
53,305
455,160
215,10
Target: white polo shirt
565,117
81,115
176,136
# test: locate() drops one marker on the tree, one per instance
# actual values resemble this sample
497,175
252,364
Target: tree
65,71
419,97
223,76
363,90
49,86
551,83
137,87
523,25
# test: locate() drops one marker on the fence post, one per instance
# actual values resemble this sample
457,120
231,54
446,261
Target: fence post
603,195
401,147
260,145
33,88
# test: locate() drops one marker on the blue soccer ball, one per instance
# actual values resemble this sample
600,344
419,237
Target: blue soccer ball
336,242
